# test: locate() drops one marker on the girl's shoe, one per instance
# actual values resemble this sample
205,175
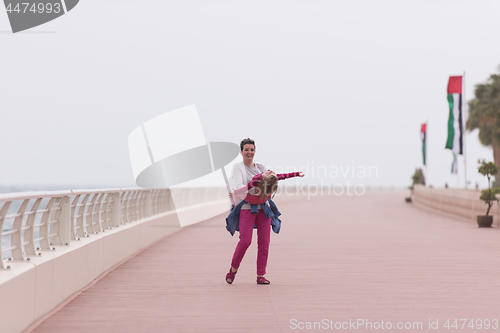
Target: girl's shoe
262,280
230,276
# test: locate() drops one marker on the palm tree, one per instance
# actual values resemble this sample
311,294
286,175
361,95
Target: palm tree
484,114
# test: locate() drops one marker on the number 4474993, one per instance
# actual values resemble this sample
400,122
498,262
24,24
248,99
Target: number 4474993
472,324
34,8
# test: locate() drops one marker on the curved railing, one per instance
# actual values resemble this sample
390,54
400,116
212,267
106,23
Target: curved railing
32,222
71,230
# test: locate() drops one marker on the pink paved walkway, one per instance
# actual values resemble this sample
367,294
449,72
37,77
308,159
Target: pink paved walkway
340,258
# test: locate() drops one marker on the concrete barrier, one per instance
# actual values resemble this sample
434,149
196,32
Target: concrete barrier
459,203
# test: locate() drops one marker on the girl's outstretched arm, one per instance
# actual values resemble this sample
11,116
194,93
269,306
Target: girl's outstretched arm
282,176
255,180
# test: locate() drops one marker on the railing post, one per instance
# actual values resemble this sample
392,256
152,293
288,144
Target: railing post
117,209
65,220
16,239
3,213
44,230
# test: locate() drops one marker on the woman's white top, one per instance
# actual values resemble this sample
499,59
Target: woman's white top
242,175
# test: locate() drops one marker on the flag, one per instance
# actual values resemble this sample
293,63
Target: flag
454,169
454,141
423,132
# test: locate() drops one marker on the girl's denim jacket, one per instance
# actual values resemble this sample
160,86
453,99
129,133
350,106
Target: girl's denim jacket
233,219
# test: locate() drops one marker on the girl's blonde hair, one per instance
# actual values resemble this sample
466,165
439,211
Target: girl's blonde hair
267,186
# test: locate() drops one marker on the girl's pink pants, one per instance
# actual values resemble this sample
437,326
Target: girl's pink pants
247,222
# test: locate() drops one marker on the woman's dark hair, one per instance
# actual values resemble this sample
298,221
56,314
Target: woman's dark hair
246,141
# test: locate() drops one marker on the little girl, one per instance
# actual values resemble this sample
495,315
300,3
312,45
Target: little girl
266,185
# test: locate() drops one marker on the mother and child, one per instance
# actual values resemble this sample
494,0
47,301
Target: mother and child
253,187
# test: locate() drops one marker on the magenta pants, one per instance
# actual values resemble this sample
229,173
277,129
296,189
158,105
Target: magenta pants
247,222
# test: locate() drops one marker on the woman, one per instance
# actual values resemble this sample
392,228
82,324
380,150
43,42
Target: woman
255,184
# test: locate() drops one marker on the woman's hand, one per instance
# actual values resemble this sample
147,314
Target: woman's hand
301,175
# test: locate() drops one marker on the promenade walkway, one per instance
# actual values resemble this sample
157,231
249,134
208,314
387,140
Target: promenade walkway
373,258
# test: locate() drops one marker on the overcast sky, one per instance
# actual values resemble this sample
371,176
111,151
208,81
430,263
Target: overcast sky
329,83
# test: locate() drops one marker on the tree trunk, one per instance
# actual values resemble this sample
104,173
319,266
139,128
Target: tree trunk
496,157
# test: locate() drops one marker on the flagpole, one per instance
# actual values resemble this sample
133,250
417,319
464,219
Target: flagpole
464,107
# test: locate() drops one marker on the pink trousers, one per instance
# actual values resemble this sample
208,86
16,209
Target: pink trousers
247,222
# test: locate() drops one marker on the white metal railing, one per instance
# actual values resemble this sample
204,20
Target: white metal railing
31,222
